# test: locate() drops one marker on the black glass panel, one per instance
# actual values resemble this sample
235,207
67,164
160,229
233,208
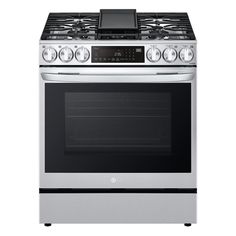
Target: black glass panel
118,128
115,54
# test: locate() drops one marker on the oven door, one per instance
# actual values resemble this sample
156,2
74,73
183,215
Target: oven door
117,131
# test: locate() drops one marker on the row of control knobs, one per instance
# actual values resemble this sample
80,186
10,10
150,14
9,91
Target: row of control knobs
66,54
82,54
170,54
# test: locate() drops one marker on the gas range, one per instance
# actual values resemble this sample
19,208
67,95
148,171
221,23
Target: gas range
117,118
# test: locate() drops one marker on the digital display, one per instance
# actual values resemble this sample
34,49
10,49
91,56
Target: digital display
113,54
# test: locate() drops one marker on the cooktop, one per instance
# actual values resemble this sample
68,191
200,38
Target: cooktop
118,24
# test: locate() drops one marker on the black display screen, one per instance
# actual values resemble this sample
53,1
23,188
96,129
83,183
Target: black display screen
113,54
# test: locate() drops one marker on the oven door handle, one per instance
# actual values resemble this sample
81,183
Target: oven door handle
117,78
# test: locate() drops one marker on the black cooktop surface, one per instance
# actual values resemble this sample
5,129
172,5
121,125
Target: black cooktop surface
123,24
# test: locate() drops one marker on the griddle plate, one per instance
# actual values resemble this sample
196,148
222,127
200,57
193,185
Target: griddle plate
118,19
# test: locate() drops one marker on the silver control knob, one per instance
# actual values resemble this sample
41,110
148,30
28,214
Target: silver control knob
153,54
186,55
82,54
170,55
66,54
49,54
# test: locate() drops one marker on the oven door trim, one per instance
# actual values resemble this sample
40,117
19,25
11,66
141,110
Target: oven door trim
118,180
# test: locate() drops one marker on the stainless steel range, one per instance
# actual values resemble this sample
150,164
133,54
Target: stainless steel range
117,118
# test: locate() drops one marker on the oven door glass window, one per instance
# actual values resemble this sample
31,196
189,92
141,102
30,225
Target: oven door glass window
117,127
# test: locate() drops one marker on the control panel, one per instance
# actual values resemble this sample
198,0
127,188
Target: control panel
118,54
114,54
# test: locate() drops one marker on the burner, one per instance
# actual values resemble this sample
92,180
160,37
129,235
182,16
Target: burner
67,26
118,25
166,26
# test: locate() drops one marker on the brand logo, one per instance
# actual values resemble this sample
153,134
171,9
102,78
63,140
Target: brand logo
113,180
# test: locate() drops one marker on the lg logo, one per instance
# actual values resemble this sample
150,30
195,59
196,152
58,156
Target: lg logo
113,180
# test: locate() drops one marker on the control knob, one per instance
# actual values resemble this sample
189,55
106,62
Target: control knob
153,54
82,54
186,54
170,55
49,54
66,54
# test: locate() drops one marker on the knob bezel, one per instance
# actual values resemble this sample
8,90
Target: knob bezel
49,61
66,61
182,58
76,52
176,55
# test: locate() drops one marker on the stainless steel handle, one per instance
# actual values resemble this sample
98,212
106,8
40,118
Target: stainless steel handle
118,78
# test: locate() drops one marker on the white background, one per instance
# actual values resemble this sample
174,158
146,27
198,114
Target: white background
21,25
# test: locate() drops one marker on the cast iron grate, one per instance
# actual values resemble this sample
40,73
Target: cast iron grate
85,26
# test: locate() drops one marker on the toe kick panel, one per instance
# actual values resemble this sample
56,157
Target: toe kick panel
118,208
